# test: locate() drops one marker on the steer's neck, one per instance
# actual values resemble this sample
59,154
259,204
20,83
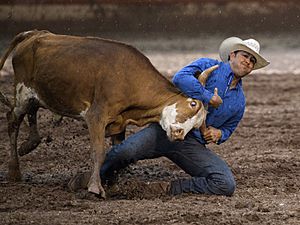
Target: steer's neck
161,97
142,116
153,96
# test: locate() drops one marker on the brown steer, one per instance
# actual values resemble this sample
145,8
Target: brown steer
106,83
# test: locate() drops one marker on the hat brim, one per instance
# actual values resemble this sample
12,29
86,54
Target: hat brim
235,44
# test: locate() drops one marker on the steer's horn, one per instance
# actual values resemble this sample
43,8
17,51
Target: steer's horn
205,74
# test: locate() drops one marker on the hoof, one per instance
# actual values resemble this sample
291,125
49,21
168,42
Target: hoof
14,178
14,175
96,190
103,194
79,181
27,146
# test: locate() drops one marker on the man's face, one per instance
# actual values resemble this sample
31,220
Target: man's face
241,63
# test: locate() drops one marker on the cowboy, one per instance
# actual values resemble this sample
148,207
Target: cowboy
223,92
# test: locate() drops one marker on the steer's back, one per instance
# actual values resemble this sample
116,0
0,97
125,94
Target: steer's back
70,73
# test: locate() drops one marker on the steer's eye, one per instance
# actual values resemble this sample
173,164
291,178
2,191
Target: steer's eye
193,103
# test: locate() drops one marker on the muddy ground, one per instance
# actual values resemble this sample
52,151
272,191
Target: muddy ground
263,154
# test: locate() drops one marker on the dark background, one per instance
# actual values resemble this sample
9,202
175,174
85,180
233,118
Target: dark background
147,17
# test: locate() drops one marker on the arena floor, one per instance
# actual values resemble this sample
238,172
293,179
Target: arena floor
263,154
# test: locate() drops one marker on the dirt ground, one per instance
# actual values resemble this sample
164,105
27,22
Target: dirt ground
263,154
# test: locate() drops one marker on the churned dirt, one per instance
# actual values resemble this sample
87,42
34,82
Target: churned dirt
263,154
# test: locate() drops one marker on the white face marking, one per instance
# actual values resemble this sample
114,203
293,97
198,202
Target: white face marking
194,122
168,119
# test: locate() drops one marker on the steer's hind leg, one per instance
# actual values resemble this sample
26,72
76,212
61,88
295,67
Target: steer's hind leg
34,138
14,117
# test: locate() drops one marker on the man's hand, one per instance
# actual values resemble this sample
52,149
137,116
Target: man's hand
216,100
211,134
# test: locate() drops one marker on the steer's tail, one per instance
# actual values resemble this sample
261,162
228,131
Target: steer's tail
17,40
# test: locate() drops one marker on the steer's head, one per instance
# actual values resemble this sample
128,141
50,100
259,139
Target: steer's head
178,119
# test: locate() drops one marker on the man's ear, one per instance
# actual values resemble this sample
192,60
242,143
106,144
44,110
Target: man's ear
231,56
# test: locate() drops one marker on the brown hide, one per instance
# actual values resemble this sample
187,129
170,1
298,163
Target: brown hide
107,83
70,74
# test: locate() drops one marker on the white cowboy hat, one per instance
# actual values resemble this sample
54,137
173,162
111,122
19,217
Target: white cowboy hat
250,45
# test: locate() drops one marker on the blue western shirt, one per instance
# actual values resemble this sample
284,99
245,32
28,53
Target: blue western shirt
227,116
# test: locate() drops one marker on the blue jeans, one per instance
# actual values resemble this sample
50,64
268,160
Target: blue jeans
209,173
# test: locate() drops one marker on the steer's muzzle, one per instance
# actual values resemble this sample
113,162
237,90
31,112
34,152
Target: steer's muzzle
177,133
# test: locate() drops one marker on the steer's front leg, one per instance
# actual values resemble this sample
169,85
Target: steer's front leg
96,130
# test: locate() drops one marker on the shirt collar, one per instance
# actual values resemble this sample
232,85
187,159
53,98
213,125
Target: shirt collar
228,70
230,73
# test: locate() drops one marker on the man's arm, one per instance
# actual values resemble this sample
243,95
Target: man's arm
216,100
186,81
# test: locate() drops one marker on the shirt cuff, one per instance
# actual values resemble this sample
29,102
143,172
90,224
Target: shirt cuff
221,140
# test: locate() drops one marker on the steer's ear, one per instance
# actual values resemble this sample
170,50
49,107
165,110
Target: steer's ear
205,74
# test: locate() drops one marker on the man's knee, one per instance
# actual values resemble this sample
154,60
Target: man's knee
225,187
203,185
230,188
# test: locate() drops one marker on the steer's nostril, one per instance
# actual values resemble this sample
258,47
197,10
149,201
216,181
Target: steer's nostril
177,133
180,132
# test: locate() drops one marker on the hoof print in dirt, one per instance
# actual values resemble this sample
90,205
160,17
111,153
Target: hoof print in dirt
137,189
